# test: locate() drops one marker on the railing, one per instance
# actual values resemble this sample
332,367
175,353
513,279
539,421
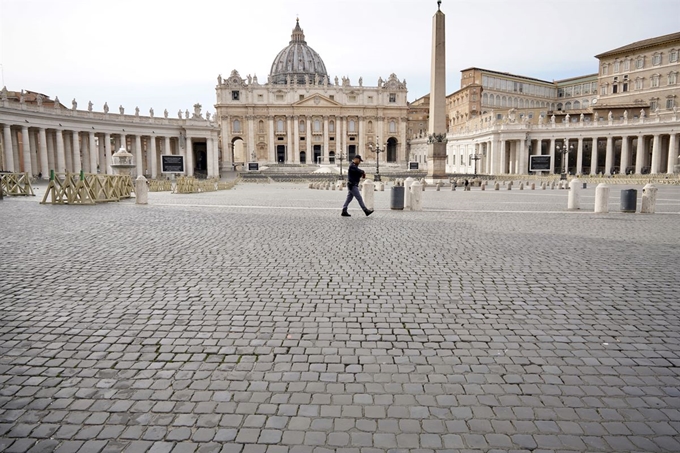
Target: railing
188,184
160,185
16,184
87,188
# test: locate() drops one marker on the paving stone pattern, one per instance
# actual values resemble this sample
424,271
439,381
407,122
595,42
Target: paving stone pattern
260,321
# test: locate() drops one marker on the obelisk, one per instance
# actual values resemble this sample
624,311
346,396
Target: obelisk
436,151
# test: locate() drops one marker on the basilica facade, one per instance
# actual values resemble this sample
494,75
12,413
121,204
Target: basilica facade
302,115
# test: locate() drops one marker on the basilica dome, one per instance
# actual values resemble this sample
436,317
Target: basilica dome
298,61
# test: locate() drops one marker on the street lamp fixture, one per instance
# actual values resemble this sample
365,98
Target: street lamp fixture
341,156
377,152
564,149
476,157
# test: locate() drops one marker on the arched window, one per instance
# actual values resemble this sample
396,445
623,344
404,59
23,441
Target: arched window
260,127
331,126
302,126
577,105
521,103
352,126
567,106
236,126
485,99
279,125
393,126
585,104
317,126
370,126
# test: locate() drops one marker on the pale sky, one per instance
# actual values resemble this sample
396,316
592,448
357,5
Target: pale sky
168,53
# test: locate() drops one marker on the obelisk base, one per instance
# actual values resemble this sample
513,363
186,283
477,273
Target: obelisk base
436,162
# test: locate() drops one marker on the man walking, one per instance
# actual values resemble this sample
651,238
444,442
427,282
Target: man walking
354,176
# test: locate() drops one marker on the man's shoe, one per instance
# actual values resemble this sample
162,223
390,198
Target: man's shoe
346,214
368,212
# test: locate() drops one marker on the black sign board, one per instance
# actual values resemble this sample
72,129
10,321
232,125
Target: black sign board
413,165
172,164
539,163
253,166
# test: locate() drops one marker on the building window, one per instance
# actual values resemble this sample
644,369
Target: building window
352,98
302,126
236,126
279,97
653,105
393,127
235,95
626,65
370,99
302,96
317,126
656,59
260,127
603,90
260,98
655,81
605,69
352,126
670,103
279,125
617,67
639,84
393,98
331,126
332,97
640,63
673,56
672,78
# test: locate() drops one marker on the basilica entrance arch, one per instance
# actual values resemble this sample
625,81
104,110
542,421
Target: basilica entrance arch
200,150
392,149
281,154
351,152
331,157
239,151
317,154
303,157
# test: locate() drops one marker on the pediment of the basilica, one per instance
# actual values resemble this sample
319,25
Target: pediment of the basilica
317,100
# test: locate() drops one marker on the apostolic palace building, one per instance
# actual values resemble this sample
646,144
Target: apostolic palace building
621,119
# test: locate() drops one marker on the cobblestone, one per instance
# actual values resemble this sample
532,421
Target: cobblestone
257,320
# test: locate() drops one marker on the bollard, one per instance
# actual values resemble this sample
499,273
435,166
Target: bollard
585,185
439,186
648,199
574,197
496,186
416,196
533,186
629,200
453,186
521,186
311,185
332,186
483,186
543,186
407,192
552,186
602,198
367,189
382,187
141,190
510,185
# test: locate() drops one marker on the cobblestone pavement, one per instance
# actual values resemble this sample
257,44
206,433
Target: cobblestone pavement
259,321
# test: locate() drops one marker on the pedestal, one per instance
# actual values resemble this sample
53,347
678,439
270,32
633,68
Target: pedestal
436,162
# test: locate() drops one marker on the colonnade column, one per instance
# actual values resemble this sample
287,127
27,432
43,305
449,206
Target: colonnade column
138,156
107,155
523,162
579,156
502,160
26,145
593,158
625,155
15,151
639,155
189,157
51,154
272,143
552,156
656,155
326,142
61,157
77,163
68,152
91,145
289,147
216,156
609,156
672,153
33,148
154,157
44,160
7,144
86,149
166,145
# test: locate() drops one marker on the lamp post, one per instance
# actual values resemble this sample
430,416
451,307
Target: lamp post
377,152
341,156
564,150
476,157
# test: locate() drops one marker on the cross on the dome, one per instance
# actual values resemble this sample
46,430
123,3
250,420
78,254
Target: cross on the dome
439,5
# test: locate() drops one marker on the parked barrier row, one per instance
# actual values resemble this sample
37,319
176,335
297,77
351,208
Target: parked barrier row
86,188
16,184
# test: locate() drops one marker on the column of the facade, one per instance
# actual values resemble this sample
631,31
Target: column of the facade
44,159
251,138
487,157
296,138
189,157
625,155
609,156
401,151
579,156
360,151
7,145
552,156
593,157
343,137
92,151
77,161
656,155
493,161
151,149
289,136
139,162
33,147
26,148
503,158
272,143
310,141
216,155
672,153
108,159
639,154
61,152
326,142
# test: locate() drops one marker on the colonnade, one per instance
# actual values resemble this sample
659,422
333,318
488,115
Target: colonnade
37,150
